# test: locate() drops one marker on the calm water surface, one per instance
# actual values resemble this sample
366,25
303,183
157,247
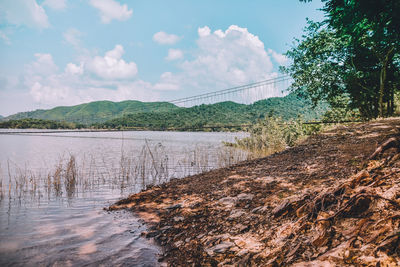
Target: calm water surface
40,226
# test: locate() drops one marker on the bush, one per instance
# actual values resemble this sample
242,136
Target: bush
273,134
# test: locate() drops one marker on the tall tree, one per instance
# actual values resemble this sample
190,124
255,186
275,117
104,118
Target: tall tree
359,45
373,29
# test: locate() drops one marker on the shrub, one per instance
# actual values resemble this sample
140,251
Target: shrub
274,134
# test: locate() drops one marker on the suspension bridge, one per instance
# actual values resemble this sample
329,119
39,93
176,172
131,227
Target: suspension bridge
245,94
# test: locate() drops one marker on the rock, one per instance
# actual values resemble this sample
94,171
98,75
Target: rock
220,248
244,196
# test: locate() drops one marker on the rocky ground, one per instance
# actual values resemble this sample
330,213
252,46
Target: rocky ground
324,202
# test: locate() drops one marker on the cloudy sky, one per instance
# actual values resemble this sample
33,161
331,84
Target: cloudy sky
66,52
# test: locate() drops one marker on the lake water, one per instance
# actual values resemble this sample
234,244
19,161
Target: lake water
54,187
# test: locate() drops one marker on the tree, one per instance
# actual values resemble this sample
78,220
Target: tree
372,28
318,64
354,53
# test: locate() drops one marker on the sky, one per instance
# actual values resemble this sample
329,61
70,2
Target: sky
68,52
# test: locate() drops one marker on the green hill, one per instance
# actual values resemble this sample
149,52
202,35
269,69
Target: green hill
163,115
38,124
94,112
223,113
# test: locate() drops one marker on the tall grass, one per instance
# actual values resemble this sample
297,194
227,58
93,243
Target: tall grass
71,176
273,134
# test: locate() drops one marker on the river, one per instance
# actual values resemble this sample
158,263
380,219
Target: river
54,187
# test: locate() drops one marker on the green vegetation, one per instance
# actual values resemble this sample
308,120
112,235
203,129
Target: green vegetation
273,134
224,113
94,112
163,115
166,116
39,124
353,55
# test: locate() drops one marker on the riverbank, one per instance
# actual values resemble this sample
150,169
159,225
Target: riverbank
321,202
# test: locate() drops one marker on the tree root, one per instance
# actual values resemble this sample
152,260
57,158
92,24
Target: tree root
393,142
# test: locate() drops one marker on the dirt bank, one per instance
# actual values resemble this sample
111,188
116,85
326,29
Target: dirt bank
322,203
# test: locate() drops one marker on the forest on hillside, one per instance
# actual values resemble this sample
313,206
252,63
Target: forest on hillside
158,116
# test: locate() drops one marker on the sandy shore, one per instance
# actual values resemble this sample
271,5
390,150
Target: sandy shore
317,203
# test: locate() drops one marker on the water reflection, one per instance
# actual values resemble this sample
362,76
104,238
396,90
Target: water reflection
53,189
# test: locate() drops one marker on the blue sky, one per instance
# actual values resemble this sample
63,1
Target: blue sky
66,52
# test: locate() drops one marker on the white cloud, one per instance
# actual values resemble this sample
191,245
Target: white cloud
24,12
49,87
52,93
279,58
56,4
222,59
225,58
73,69
165,38
168,82
72,36
112,66
204,31
44,65
110,9
174,54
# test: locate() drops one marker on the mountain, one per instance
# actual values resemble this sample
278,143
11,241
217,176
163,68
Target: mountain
223,113
94,112
162,115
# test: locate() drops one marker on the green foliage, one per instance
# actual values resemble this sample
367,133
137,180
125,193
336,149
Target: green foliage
318,65
224,113
94,112
38,124
162,115
341,111
354,53
273,134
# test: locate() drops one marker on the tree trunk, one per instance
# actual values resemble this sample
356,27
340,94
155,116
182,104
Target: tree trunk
382,88
382,81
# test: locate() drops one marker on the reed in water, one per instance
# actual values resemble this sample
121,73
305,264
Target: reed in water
72,176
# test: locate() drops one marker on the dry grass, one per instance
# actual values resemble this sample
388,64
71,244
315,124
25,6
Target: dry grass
134,172
273,135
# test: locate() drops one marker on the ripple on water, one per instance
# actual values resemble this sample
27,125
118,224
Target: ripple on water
71,236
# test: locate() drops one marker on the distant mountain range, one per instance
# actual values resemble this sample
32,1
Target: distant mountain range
93,112
223,113
164,115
